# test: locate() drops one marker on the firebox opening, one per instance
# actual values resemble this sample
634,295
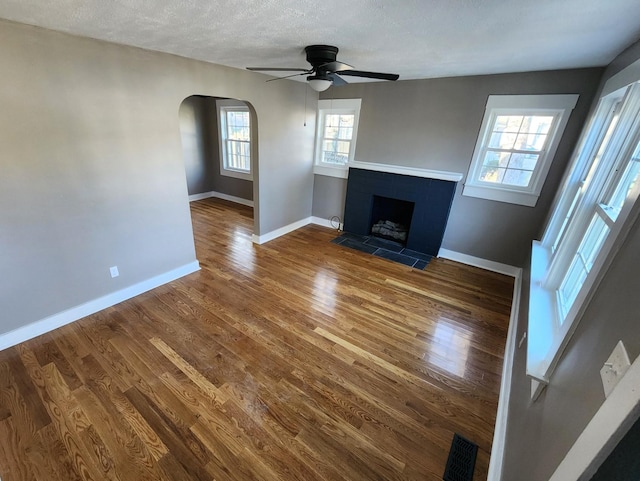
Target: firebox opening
391,218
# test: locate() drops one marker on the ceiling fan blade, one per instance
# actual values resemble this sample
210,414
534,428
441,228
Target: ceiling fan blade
335,67
337,80
376,75
278,69
287,76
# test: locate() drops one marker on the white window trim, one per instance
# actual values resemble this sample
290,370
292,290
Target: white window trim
547,336
222,106
335,106
558,105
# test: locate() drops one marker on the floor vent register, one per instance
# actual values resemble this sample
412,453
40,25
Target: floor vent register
461,461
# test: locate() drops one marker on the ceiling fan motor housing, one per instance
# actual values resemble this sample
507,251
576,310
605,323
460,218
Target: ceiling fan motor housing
318,55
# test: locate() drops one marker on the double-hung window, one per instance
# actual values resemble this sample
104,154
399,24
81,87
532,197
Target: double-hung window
235,139
597,197
337,130
517,142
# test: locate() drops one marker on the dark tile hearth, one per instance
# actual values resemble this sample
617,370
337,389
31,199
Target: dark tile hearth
386,249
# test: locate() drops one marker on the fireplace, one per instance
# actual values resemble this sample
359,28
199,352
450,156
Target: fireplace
391,218
421,204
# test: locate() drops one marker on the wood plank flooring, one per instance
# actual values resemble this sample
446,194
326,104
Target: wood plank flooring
295,360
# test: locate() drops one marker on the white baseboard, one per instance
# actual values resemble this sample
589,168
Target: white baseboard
203,195
60,319
220,195
274,234
496,461
498,267
291,227
326,223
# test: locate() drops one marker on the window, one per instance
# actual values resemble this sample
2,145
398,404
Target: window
235,139
597,197
336,136
516,145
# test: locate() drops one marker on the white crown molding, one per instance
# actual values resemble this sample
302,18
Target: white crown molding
60,319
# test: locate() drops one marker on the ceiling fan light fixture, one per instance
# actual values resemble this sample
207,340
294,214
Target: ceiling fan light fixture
319,83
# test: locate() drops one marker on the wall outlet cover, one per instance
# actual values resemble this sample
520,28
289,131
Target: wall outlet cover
614,368
114,271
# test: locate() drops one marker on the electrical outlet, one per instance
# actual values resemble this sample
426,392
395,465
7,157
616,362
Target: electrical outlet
614,368
114,271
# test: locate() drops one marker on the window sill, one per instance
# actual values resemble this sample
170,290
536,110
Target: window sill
236,174
542,316
501,195
547,336
339,172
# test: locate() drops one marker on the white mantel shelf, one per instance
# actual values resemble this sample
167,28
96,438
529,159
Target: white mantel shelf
414,171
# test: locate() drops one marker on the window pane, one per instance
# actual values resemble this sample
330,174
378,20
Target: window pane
603,147
346,133
329,145
331,132
508,123
571,285
238,155
523,161
238,127
582,262
536,124
520,178
346,120
332,120
239,133
533,142
626,184
502,140
565,221
343,148
493,175
334,158
496,159
593,240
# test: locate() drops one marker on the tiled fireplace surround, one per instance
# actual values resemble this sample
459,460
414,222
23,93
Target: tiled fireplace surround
431,199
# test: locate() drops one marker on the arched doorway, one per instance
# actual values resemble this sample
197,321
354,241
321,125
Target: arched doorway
219,147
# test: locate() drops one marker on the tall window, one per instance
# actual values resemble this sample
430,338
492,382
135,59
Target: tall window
596,199
336,135
235,140
516,145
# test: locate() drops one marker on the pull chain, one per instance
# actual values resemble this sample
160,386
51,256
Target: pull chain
306,88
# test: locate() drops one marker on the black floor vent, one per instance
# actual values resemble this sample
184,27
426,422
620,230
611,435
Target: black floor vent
462,460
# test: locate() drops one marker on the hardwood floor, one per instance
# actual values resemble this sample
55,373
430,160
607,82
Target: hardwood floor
295,360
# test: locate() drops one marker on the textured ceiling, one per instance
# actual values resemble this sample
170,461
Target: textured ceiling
414,38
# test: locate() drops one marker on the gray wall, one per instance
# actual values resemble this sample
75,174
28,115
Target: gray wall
541,433
92,167
198,167
201,150
329,194
434,124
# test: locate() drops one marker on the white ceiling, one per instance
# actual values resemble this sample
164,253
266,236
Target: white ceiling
413,38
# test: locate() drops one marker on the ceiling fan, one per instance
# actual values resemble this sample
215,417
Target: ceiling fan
325,69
